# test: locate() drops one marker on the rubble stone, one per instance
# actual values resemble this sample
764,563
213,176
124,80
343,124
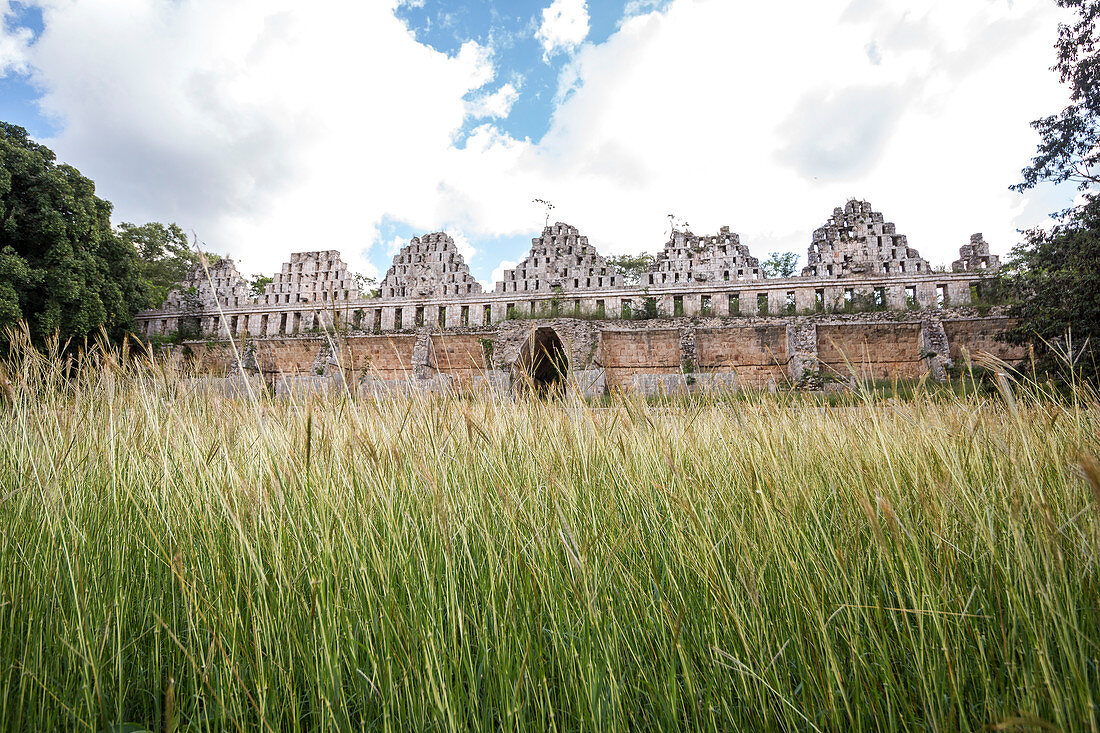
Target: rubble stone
857,241
687,258
312,277
430,265
976,256
560,260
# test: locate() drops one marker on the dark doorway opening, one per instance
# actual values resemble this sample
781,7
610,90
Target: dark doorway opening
543,363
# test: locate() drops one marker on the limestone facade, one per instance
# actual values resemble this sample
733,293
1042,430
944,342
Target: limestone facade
857,262
428,266
560,260
858,241
718,258
975,256
650,357
312,277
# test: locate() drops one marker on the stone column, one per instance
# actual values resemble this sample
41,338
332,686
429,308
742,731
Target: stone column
934,341
802,348
421,355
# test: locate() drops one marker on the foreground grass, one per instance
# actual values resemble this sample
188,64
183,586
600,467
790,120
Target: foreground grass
182,560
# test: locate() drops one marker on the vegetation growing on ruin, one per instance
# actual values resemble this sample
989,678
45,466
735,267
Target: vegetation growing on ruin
176,558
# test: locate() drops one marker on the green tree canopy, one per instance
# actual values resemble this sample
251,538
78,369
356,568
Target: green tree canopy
62,266
165,256
632,267
781,264
1069,147
1055,272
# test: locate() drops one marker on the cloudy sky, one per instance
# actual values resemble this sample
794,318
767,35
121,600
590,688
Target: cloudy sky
271,126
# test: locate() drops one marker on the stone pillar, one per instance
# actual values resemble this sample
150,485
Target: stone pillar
958,292
421,356
895,296
387,318
689,361
664,305
802,347
804,298
934,341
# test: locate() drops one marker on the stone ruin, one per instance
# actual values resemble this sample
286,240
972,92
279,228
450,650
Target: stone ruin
975,256
689,258
857,241
312,277
560,260
224,286
427,266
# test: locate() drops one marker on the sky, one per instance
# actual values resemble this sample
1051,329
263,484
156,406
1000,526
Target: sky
272,126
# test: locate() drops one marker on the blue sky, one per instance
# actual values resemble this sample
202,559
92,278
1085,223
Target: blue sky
277,126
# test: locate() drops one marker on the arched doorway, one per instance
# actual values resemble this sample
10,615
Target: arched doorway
542,363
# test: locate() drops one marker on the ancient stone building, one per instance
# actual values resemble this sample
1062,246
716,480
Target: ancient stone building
217,284
975,256
427,266
689,258
705,317
857,241
312,277
560,260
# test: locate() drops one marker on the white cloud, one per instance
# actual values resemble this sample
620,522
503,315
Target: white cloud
695,111
496,104
462,244
270,128
497,274
564,26
13,42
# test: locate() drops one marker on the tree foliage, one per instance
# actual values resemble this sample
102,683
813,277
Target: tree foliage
1053,273
258,284
1069,147
781,264
62,266
165,256
632,267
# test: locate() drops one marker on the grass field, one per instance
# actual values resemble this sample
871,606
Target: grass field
177,560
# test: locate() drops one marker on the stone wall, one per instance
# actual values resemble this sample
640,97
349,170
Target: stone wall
974,335
387,357
872,350
660,355
460,355
287,356
217,284
757,355
627,354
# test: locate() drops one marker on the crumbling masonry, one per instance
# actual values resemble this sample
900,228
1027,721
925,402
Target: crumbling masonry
867,305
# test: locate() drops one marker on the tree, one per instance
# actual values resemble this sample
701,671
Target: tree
781,264
1069,147
1054,273
63,268
632,267
258,284
367,286
166,256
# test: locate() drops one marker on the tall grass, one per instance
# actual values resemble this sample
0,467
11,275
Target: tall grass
183,560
